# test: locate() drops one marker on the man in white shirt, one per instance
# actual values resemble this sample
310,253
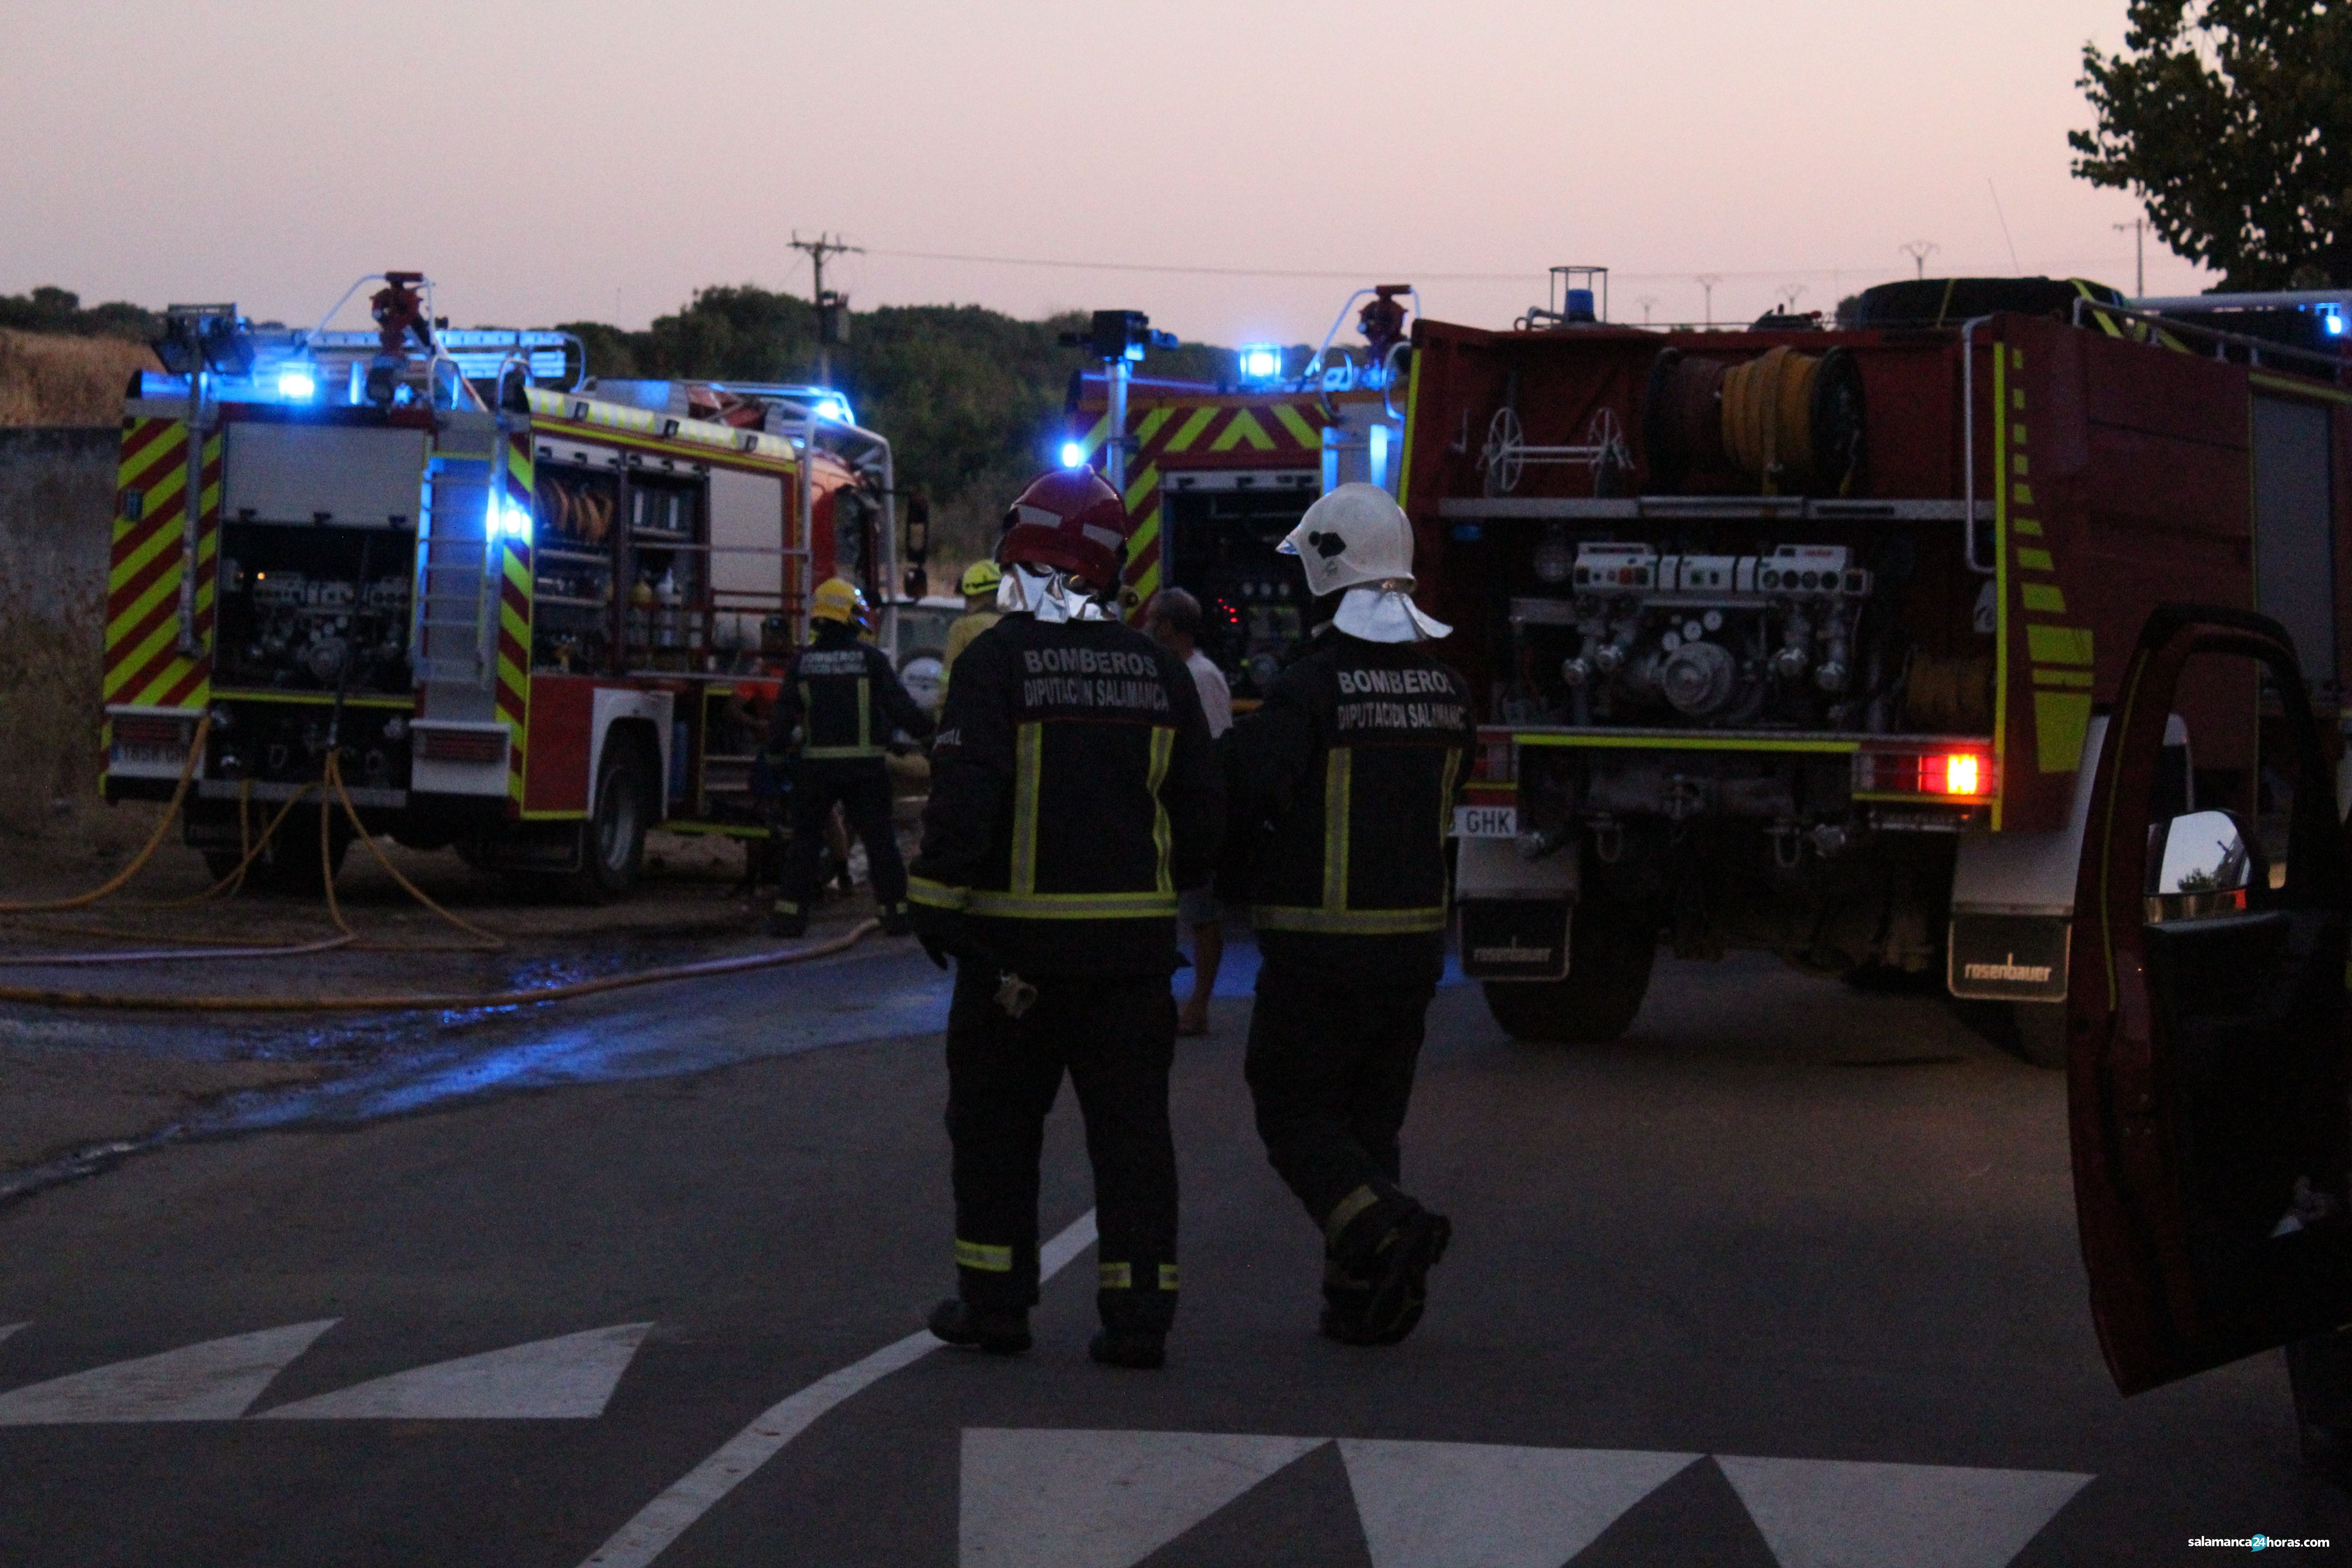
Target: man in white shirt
1174,623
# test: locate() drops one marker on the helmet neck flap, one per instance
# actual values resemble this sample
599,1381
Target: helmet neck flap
1053,596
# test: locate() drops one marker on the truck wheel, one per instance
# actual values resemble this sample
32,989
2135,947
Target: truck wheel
1608,976
2037,1033
613,839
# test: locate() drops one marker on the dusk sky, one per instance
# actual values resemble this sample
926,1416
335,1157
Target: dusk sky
602,160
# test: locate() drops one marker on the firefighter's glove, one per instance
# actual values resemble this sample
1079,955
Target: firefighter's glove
944,933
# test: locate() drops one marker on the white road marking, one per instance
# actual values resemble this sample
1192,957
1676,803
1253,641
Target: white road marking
669,1516
1829,1514
1478,1505
214,1380
571,1378
1057,1498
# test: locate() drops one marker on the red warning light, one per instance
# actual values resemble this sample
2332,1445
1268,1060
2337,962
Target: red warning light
1963,773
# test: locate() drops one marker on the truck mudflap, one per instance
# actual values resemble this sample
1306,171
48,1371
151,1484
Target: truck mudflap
2009,958
1512,913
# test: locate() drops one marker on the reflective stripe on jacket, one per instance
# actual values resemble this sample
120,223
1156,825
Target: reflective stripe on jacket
1342,788
1073,791
845,701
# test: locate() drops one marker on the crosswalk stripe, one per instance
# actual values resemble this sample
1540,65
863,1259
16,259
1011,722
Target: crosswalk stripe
1830,1513
1478,1505
570,1378
661,1521
214,1380
1060,1499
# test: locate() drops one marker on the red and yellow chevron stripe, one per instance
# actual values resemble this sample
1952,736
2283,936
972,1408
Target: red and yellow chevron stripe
145,664
1287,433
515,584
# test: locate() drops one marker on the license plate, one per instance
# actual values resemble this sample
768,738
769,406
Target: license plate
1486,821
149,756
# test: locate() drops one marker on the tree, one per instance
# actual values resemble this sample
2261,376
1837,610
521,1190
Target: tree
2232,121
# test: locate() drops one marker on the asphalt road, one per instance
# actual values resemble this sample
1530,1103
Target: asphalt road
1788,1276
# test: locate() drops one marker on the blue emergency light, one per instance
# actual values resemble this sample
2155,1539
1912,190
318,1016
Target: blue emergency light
1073,454
1261,362
2331,320
835,409
297,383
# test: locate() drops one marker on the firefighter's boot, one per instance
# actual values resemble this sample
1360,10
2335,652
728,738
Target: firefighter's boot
1391,1244
787,919
998,1332
894,920
1145,1350
1345,1296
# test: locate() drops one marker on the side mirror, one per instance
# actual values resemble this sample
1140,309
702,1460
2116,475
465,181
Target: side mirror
2200,866
918,529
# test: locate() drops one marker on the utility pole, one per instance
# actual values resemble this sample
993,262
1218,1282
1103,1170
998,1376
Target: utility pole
2138,229
832,309
1645,301
1707,280
1919,250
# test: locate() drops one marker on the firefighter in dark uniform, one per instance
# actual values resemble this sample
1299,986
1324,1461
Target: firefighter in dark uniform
844,701
1341,791
1075,791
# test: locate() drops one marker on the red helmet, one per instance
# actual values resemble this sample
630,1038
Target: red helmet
1071,520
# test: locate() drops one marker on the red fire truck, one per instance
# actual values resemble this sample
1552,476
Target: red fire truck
529,617
1797,637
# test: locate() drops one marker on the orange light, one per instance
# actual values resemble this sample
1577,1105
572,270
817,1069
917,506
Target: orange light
1963,773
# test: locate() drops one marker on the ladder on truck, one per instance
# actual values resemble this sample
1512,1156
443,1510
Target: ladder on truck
455,637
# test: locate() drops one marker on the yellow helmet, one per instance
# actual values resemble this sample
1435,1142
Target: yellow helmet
838,599
980,577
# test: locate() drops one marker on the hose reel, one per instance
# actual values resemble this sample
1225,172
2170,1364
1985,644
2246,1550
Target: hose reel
1786,423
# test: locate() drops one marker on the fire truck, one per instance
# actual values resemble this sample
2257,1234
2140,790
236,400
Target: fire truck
528,615
1801,636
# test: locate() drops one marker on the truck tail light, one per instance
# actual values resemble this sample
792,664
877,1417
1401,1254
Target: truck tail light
1935,773
146,734
461,745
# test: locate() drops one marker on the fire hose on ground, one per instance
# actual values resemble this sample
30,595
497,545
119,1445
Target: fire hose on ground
486,940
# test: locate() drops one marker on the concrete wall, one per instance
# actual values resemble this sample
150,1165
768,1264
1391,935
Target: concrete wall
57,508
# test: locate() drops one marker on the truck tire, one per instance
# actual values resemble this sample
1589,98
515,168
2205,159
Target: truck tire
1608,976
613,839
2037,1033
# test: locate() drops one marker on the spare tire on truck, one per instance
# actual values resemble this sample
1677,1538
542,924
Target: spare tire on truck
1609,960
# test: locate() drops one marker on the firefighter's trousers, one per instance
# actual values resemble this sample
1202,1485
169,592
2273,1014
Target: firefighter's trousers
863,788
1330,1065
1116,1037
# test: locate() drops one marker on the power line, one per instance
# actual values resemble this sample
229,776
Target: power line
1358,274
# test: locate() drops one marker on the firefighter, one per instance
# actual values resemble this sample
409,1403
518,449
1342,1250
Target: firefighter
845,702
1073,791
1341,791
1174,623
978,586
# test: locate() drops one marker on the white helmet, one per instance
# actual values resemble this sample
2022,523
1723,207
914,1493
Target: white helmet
1355,535
1358,537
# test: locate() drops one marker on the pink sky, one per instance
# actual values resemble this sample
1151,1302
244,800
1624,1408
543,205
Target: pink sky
599,159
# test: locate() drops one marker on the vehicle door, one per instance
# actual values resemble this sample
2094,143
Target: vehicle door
2206,1030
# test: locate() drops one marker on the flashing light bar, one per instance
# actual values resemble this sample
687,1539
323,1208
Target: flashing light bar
835,409
546,364
2331,320
296,383
1073,454
1260,363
